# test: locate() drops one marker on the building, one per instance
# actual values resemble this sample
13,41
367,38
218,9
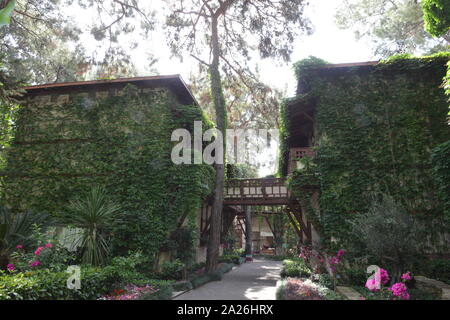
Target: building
114,133
359,129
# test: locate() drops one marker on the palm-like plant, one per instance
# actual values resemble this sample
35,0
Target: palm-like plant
15,229
95,215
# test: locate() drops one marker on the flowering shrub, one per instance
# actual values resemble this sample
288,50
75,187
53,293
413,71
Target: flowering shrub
131,292
298,289
400,291
46,255
295,268
381,277
397,290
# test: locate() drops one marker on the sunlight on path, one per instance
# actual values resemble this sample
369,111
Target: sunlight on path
251,281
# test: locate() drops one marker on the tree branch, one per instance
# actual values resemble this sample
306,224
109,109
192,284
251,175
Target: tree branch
200,60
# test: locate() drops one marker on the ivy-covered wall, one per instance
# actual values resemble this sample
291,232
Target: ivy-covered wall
376,128
65,144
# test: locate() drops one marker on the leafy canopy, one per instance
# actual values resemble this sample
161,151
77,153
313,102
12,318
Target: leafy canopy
436,14
391,26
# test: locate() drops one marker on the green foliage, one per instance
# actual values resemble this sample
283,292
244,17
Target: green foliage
16,229
436,14
279,295
441,172
438,269
240,171
307,63
376,137
183,244
353,277
390,233
171,270
6,12
95,215
121,142
391,26
230,258
49,285
129,269
323,279
295,268
55,258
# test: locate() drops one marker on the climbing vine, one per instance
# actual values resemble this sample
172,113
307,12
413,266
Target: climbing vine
64,146
376,128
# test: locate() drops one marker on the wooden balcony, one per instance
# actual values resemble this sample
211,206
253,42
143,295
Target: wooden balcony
268,191
296,154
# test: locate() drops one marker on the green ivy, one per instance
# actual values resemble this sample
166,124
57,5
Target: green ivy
436,15
376,128
122,142
441,171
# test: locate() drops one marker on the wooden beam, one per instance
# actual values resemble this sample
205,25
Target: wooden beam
294,225
270,225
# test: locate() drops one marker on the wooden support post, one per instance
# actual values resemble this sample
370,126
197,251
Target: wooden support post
248,234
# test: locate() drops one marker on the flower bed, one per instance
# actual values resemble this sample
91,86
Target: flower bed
305,289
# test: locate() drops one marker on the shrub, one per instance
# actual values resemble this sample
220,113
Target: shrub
279,295
131,292
353,277
152,290
295,268
95,215
438,269
171,270
230,258
298,289
390,233
50,255
182,286
16,229
198,281
127,269
323,280
48,285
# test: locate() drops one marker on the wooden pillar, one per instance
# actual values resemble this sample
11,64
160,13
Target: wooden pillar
248,234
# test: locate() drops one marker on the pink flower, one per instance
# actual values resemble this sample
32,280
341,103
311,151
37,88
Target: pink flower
35,263
10,267
335,260
384,277
19,246
38,251
399,290
340,253
48,245
372,285
406,276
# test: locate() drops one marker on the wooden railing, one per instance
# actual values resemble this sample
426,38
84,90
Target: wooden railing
256,191
296,154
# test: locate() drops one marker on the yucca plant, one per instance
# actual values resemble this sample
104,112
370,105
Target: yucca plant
15,229
95,215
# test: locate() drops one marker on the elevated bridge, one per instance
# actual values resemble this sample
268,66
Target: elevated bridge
256,192
265,192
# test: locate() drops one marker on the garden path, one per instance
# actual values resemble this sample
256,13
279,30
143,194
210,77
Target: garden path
250,281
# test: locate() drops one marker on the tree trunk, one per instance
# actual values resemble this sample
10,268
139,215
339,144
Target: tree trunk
278,234
219,106
248,231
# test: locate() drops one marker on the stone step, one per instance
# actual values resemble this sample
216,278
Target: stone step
432,286
349,293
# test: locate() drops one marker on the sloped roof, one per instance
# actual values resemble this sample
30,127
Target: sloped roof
173,82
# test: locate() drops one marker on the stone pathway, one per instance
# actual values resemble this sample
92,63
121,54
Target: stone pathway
250,281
